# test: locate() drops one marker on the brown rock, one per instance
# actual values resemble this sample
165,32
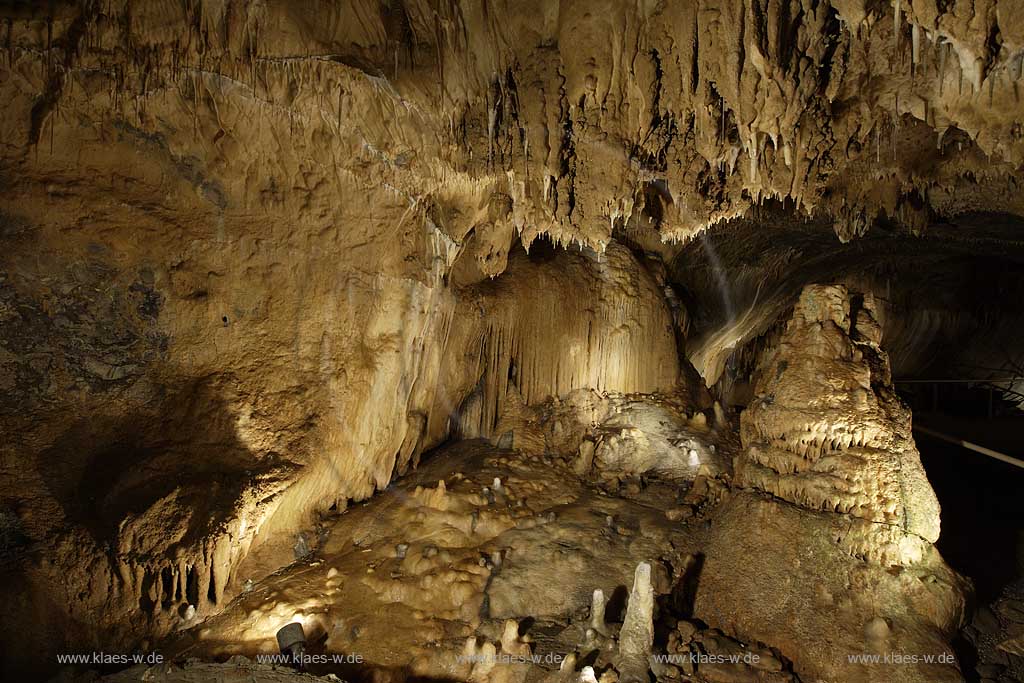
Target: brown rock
676,514
986,621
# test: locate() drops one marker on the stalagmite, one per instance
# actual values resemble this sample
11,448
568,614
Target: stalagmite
636,638
774,429
721,420
597,610
585,457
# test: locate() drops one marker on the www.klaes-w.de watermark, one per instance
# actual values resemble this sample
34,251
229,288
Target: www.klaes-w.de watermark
901,658
100,658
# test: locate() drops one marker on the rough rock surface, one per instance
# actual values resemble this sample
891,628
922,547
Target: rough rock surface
840,503
820,605
826,430
435,569
238,241
235,670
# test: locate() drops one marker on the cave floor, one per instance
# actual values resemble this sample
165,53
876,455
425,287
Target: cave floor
407,584
474,537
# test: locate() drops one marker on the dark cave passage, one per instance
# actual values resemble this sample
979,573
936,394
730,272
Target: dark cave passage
982,519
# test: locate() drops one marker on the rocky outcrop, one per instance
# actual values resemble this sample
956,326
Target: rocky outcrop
235,670
777,573
838,507
636,638
826,430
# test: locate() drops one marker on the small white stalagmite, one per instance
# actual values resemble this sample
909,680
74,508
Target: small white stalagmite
512,646
511,643
566,671
567,667
636,639
597,610
483,659
721,419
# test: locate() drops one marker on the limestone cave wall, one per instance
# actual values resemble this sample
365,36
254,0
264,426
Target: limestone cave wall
249,249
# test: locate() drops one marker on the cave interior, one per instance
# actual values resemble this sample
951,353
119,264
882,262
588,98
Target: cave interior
525,341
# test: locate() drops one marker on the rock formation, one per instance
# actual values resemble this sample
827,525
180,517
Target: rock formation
843,444
260,259
636,639
848,509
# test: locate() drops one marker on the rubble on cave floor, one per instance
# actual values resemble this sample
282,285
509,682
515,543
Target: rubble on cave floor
486,550
235,670
621,437
996,636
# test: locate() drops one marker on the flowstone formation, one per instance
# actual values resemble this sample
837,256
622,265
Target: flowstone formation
837,498
490,564
553,323
826,430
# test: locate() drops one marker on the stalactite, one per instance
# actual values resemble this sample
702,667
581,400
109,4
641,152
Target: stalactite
944,49
548,345
915,49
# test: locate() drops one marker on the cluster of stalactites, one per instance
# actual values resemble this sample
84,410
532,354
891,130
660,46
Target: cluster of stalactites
608,328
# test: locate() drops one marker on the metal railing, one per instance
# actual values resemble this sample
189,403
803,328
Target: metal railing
971,446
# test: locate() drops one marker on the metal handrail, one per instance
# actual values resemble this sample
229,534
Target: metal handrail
971,446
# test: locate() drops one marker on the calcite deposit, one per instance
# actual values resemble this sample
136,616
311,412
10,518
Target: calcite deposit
826,430
836,487
496,329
